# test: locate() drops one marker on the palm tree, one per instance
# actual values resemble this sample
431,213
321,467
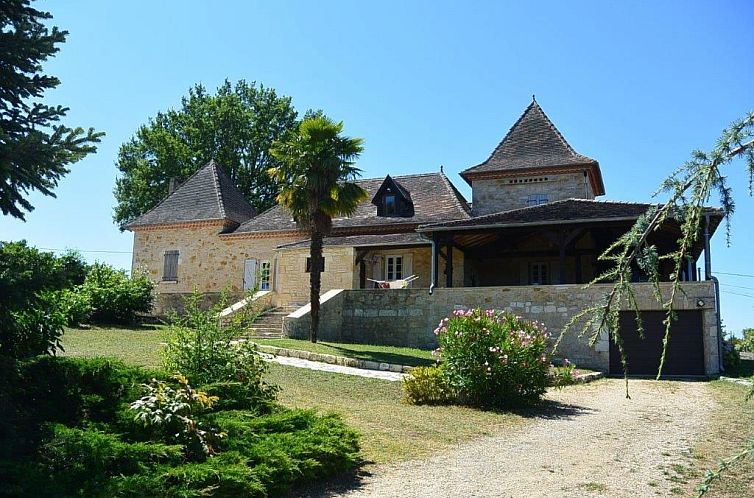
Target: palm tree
316,184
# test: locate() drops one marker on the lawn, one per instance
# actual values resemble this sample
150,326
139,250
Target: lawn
727,434
134,345
381,354
391,431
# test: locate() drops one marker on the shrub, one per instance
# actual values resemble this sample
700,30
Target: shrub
563,375
428,386
494,359
67,430
31,321
171,412
210,353
83,460
75,306
746,343
114,297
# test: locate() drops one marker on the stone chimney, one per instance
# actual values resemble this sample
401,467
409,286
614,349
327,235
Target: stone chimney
172,184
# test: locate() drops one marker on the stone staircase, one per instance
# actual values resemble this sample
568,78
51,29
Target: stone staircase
269,324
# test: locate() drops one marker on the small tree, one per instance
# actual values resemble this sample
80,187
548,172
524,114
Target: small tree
34,150
316,183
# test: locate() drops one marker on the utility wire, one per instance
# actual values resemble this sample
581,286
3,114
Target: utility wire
736,293
738,286
82,250
734,274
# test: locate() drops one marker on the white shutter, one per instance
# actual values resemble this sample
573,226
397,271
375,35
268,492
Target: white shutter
249,274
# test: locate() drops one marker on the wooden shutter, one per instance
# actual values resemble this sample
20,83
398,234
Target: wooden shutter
170,267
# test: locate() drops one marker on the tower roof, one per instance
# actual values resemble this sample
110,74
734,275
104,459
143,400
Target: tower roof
534,143
207,195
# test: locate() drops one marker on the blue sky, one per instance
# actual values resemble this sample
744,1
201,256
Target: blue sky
635,85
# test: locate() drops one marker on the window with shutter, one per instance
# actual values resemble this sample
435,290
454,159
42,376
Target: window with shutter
170,268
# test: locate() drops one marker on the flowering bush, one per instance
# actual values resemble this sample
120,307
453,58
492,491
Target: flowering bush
494,359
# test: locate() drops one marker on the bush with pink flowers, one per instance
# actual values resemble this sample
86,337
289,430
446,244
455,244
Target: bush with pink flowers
494,359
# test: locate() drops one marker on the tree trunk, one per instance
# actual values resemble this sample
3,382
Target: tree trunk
315,283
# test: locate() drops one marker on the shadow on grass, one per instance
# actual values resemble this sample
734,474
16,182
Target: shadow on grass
381,356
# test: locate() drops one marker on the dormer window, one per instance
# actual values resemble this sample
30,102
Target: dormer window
393,200
391,209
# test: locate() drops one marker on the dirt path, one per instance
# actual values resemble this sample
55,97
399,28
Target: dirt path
595,443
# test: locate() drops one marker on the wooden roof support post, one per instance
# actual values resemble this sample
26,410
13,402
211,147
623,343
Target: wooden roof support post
449,262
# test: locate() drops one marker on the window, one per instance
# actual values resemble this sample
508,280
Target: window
539,274
391,208
393,267
309,264
170,266
536,199
264,275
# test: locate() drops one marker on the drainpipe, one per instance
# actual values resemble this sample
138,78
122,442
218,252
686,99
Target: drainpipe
708,276
719,325
707,255
433,266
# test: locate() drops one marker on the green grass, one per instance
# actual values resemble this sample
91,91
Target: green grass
381,354
390,430
139,346
728,432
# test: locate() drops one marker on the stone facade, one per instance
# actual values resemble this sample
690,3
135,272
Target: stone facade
502,194
207,262
407,317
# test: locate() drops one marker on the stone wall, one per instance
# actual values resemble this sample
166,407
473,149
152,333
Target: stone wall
407,317
207,261
502,194
293,278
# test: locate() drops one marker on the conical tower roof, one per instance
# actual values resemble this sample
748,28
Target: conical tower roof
533,143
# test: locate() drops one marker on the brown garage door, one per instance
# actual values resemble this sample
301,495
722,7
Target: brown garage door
685,355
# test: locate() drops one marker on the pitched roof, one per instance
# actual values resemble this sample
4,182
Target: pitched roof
433,196
207,195
382,240
572,210
532,142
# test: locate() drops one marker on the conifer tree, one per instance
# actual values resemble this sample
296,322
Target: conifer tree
35,149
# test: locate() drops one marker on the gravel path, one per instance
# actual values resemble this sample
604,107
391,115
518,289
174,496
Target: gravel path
593,443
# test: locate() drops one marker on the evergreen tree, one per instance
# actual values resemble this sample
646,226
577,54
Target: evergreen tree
34,149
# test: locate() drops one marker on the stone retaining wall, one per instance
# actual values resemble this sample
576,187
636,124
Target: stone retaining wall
407,317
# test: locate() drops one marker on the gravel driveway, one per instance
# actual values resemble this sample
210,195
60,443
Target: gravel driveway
594,442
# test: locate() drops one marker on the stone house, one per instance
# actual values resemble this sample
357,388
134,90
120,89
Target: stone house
527,242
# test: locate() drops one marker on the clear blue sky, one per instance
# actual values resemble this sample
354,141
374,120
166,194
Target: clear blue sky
635,85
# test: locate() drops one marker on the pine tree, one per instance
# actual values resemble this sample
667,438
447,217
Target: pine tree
35,149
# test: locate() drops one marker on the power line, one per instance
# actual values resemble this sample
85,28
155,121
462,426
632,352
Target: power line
738,286
82,250
736,293
734,274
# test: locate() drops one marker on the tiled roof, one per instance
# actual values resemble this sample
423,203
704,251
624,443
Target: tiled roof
434,199
532,142
207,195
391,239
558,211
